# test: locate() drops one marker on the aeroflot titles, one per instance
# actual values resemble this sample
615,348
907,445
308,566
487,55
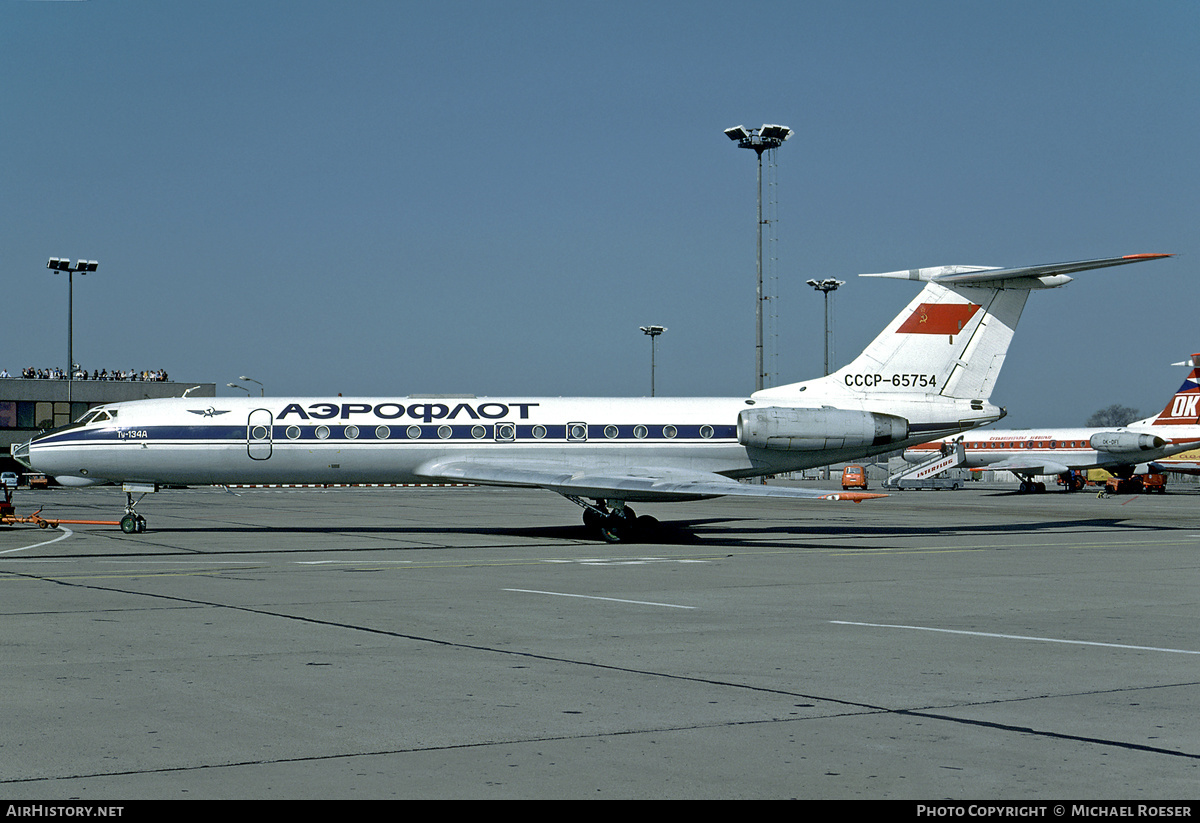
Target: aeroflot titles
418,411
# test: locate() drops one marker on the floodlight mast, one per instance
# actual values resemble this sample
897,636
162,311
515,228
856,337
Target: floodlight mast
826,286
652,332
761,139
57,264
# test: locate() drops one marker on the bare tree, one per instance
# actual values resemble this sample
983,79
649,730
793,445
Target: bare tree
1114,415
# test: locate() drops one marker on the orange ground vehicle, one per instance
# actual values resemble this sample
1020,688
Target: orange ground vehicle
854,477
1137,483
1154,483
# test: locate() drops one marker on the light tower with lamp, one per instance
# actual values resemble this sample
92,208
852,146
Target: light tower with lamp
57,264
766,138
652,332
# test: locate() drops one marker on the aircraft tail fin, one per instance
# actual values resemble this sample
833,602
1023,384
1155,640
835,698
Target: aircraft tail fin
1183,409
951,340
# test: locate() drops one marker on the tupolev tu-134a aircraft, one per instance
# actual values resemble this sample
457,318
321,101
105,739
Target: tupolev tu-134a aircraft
928,374
1167,441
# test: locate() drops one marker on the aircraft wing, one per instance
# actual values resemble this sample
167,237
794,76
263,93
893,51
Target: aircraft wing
1022,465
626,483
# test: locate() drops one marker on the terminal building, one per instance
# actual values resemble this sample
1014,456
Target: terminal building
30,406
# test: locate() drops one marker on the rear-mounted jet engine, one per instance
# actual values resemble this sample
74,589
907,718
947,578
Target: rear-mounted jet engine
1125,442
816,429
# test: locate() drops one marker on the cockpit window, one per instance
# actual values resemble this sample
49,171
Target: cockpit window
97,416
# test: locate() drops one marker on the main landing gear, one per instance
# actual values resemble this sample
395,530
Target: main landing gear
1071,481
614,521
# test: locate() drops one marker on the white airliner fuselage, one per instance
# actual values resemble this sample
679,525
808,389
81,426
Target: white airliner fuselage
411,439
1033,453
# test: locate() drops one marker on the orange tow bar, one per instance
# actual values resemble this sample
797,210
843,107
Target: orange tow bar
9,517
36,519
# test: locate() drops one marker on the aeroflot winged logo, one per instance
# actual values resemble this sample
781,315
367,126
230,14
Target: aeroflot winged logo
938,318
209,412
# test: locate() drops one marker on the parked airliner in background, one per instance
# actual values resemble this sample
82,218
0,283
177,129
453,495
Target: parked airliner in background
929,373
1180,421
1165,442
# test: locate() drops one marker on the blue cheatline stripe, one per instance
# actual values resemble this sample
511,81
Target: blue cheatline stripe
596,433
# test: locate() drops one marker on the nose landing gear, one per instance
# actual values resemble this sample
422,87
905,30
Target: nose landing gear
132,522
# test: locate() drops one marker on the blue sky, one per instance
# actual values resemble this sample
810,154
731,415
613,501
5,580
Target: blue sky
491,197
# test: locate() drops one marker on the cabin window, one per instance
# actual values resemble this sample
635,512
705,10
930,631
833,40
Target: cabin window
478,432
352,432
293,432
611,432
506,431
322,432
706,432
640,432
577,431
414,432
539,432
382,432
670,431
444,432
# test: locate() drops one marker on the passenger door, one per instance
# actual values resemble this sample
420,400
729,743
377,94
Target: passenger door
259,428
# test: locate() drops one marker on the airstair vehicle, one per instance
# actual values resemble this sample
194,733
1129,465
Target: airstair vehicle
925,475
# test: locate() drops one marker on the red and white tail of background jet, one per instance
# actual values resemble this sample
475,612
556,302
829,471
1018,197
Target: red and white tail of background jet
1184,408
1179,421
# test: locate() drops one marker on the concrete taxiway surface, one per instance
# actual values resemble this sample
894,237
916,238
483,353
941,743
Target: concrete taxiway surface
477,643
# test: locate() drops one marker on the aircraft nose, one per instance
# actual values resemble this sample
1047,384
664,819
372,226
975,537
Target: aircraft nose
20,453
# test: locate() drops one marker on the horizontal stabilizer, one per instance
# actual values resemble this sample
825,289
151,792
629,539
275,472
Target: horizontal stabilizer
630,483
1043,276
